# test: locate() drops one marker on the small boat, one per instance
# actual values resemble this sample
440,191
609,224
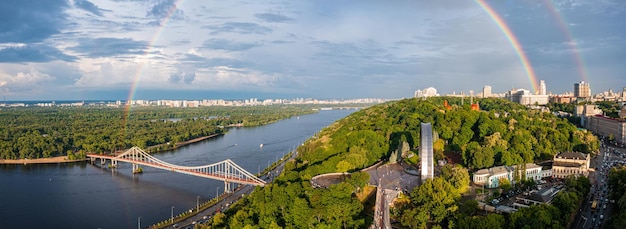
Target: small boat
261,146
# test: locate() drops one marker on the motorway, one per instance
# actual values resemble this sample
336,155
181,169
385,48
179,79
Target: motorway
595,218
238,193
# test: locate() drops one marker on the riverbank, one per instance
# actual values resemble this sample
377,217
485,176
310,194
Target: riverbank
160,147
64,159
51,160
195,140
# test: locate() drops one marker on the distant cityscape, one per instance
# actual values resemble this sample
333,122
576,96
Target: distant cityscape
581,93
192,103
589,115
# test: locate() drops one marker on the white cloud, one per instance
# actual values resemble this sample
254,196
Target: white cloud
311,45
32,81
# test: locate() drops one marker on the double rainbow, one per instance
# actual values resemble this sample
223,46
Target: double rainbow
530,72
517,47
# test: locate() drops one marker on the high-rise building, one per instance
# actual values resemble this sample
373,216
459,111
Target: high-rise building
582,90
542,88
427,92
486,91
426,152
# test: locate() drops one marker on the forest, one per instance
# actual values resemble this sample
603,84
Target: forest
501,133
30,133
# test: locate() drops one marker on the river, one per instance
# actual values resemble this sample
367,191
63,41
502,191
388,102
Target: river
81,195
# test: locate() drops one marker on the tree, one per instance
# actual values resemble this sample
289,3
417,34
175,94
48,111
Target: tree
505,184
432,201
457,176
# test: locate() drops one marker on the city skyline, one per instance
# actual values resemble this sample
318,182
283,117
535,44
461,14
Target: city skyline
177,49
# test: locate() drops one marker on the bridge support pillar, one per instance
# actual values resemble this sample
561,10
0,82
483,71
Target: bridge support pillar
227,187
103,161
114,163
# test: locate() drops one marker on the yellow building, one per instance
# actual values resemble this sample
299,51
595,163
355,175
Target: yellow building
570,163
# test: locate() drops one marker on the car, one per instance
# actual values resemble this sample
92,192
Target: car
601,217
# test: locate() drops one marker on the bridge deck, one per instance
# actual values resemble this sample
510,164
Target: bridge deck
225,170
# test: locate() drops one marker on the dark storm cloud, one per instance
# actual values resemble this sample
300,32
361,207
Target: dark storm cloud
33,53
30,21
88,6
270,17
106,47
239,27
228,45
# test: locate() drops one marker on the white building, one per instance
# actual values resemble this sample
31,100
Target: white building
542,88
491,177
486,91
427,92
524,97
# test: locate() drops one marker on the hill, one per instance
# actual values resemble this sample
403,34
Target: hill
502,133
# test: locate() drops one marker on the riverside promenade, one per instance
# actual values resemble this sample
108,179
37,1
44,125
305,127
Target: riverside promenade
51,160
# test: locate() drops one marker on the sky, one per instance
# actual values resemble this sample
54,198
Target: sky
190,49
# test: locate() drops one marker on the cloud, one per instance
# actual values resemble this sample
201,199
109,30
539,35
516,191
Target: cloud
88,6
32,53
175,78
31,21
228,45
239,27
24,81
185,77
164,9
107,47
270,17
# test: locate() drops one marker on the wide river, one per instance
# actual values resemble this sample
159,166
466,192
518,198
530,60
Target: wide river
81,195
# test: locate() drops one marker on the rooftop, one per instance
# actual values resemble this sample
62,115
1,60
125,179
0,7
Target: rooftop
499,170
567,164
572,155
609,118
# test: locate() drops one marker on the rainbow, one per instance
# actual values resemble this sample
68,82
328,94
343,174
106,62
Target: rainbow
137,76
514,42
570,40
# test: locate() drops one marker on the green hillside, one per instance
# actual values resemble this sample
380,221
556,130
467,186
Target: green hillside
502,133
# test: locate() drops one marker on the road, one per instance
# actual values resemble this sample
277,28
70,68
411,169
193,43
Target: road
232,198
595,218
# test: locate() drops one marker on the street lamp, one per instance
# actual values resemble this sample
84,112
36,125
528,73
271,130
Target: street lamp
139,222
197,203
172,215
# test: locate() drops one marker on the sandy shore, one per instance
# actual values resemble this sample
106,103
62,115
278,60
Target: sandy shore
51,160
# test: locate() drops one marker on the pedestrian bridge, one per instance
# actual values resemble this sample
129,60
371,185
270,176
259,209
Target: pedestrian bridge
226,170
